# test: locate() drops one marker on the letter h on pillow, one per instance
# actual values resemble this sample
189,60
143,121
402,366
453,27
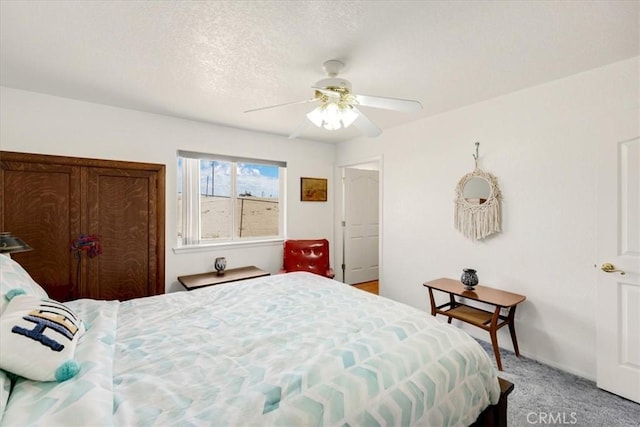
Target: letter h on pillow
39,338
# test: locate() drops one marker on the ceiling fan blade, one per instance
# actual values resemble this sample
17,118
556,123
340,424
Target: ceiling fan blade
282,105
404,105
365,125
298,130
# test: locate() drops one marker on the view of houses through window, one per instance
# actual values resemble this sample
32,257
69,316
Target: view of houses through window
223,199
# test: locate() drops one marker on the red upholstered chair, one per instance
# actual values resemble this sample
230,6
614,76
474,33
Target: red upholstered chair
307,255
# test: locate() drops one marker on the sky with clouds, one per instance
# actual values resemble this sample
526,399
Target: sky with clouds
258,180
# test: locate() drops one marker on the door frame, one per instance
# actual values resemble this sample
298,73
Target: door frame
340,210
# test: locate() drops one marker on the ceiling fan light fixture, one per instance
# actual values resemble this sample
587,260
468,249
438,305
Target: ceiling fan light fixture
348,116
332,116
316,116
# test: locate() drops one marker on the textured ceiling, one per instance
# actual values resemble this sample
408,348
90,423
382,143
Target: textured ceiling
211,61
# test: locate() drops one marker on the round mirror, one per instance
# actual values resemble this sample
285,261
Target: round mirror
476,191
477,211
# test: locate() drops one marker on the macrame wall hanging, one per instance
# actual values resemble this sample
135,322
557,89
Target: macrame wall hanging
477,210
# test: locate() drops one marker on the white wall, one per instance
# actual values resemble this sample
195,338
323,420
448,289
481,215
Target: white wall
541,143
37,123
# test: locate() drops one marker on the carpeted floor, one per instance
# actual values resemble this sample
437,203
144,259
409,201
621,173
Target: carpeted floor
547,396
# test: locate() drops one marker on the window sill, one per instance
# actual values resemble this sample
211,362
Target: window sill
214,246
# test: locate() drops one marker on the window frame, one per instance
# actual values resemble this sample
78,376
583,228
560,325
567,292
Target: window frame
191,205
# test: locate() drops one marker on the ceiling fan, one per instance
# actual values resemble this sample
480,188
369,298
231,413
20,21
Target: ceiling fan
338,105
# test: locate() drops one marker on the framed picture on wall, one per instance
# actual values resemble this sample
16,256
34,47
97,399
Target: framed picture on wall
313,189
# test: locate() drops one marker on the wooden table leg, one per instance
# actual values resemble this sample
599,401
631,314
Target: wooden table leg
512,329
493,331
452,304
433,302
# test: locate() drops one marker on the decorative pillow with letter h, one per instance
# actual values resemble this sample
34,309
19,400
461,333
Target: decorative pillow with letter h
39,338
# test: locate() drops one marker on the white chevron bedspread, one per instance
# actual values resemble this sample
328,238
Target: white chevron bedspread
285,350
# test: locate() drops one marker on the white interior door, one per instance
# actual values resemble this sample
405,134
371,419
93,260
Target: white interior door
618,309
361,225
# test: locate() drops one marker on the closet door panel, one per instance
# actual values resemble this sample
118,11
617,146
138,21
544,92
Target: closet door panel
121,209
41,205
48,201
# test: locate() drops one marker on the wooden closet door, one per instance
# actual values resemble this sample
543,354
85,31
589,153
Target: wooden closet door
121,207
40,203
48,201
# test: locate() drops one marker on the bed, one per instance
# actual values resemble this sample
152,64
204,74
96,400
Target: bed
292,349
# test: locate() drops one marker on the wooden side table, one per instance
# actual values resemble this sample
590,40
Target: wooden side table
486,320
196,281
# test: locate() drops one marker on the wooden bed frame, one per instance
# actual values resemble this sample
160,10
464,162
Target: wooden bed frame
496,415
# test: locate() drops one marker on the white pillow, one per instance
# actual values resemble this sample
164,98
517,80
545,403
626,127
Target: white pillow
13,276
39,339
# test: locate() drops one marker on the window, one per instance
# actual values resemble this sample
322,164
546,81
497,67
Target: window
224,199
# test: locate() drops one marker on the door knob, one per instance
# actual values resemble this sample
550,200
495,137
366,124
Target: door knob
607,267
